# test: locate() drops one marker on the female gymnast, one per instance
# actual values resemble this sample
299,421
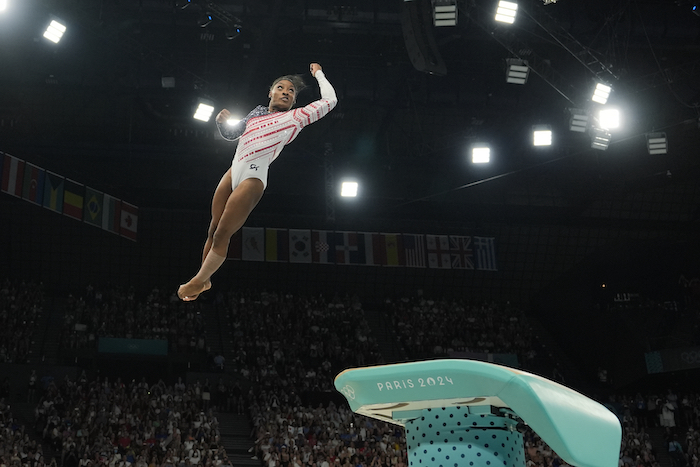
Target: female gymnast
263,134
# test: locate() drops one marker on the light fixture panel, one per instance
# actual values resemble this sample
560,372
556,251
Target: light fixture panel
542,137
600,139
203,112
506,12
481,155
601,93
657,143
517,71
348,189
54,32
609,118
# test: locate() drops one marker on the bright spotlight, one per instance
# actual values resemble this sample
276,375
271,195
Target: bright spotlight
233,121
55,31
348,189
609,119
601,93
204,111
542,135
506,12
481,154
3,5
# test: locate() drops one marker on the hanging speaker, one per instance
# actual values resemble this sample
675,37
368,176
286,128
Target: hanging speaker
417,26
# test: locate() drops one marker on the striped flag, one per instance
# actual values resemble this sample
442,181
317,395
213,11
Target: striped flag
253,244
323,246
111,213
277,245
438,251
53,192
414,247
12,175
73,198
94,202
461,252
485,249
393,249
299,246
33,185
371,246
129,225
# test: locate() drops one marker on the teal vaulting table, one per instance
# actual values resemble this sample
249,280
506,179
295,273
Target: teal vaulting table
465,413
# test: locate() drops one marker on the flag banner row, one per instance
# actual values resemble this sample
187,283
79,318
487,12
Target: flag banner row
363,248
68,197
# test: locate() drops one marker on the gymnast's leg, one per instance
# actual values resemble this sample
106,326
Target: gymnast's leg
236,209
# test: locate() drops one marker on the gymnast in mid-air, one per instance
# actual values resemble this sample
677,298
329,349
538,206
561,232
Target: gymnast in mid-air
262,135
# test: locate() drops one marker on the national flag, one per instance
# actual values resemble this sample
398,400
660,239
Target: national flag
33,185
111,213
129,225
253,244
485,250
94,203
371,249
461,252
299,246
235,246
345,247
393,250
438,251
12,175
378,249
53,192
73,198
323,246
414,247
277,245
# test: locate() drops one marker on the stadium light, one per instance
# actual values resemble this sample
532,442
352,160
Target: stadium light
348,189
579,120
518,71
609,119
542,135
481,154
657,143
444,13
204,110
600,139
601,93
54,32
506,12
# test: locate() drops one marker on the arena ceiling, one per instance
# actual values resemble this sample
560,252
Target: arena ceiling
94,108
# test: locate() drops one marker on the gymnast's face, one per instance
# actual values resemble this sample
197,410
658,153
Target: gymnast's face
282,96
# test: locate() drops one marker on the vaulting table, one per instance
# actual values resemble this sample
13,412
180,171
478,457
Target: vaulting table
465,413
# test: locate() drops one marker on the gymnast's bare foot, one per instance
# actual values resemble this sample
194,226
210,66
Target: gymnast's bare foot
190,291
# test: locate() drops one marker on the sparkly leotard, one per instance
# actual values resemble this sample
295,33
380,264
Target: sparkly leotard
263,134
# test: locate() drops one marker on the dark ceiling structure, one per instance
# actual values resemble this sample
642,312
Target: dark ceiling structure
95,108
